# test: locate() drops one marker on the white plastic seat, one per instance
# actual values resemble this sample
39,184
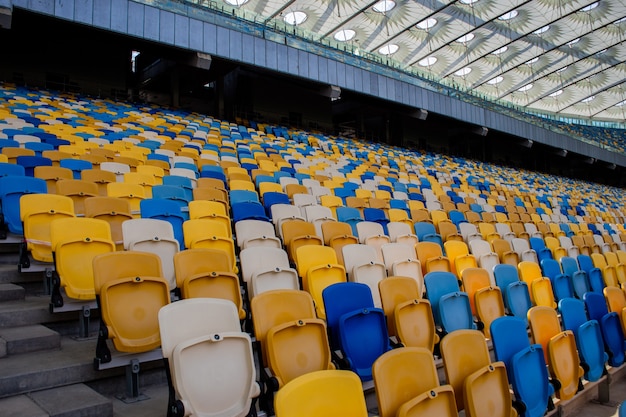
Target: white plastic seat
256,233
154,236
202,352
362,265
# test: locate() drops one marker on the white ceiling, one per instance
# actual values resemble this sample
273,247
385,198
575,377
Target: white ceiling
560,56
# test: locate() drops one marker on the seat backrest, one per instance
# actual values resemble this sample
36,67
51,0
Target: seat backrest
75,242
396,290
322,393
474,279
401,375
276,307
437,285
220,351
463,352
486,392
343,298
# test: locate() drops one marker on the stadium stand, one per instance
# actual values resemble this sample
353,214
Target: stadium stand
156,308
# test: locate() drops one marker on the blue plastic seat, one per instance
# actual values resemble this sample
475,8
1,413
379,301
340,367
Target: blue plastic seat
180,182
525,365
580,281
243,196
561,284
30,162
539,246
610,326
588,337
349,215
12,188
38,147
7,168
344,193
426,232
457,217
594,275
376,215
356,328
172,193
76,165
248,210
158,157
272,197
455,312
165,209
515,293
438,284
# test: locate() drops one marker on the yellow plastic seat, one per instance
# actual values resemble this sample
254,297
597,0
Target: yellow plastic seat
298,233
199,353
207,273
273,308
37,211
75,242
564,364
134,193
542,292
402,374
337,235
438,402
486,392
331,393
78,191
318,268
52,174
616,302
463,352
396,290
100,177
415,325
473,280
296,348
559,349
212,234
214,210
131,290
114,211
489,306
431,257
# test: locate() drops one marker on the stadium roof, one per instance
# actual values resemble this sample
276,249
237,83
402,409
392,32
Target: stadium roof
558,56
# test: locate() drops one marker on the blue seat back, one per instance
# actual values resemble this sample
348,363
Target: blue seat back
438,284
569,265
248,210
12,188
588,336
349,215
273,197
455,312
610,326
168,210
30,162
181,182
240,196
364,339
342,298
7,168
76,165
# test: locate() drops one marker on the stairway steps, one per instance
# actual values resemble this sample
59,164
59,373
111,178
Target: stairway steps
76,400
11,292
21,406
31,338
29,311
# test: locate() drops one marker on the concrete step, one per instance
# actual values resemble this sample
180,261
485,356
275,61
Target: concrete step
9,273
76,400
72,363
32,338
31,310
11,292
